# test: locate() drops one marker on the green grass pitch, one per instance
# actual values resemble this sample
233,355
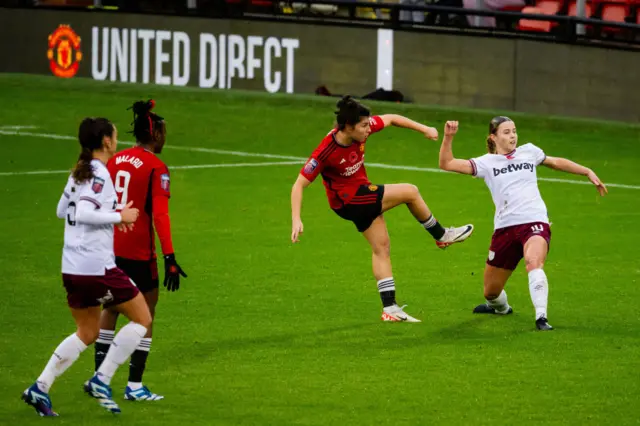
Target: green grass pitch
264,332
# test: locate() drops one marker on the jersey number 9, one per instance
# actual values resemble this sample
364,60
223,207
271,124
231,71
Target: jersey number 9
121,186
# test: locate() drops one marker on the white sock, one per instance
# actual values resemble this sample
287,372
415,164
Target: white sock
539,290
500,303
145,344
429,223
134,385
125,342
106,336
65,354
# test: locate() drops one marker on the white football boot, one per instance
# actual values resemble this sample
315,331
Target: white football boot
396,313
454,235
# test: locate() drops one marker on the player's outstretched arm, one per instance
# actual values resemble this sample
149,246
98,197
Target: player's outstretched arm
569,166
407,123
296,207
446,160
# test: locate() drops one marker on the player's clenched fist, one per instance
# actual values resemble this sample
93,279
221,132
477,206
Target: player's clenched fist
431,133
451,128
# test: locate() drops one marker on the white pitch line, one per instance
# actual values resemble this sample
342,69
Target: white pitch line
223,165
35,172
289,157
185,167
17,127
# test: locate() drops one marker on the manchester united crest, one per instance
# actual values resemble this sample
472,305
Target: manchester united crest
64,52
373,188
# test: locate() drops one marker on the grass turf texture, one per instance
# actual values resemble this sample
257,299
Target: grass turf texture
265,332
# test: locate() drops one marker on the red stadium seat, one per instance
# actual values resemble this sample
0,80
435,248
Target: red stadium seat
614,12
543,7
549,7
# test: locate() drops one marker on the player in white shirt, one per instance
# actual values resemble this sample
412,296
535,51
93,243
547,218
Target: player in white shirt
89,273
521,223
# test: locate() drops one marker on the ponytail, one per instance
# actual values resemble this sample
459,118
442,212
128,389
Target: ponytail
83,171
145,122
491,145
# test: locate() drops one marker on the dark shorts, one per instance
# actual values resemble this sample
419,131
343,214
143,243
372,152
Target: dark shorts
110,289
507,244
364,207
143,272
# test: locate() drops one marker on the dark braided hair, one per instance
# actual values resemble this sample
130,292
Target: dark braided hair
145,123
90,135
350,112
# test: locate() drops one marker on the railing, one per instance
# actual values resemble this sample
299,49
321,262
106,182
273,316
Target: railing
567,29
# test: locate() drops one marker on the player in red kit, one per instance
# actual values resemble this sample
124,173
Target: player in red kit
340,160
140,176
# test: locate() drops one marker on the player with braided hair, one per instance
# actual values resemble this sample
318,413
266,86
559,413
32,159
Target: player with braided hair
140,176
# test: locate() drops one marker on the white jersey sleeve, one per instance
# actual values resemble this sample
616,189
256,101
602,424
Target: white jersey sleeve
538,154
480,166
61,210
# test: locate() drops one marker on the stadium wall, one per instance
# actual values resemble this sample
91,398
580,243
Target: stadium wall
456,70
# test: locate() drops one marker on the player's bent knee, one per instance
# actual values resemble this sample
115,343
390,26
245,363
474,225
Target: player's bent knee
88,334
414,191
145,319
534,262
382,248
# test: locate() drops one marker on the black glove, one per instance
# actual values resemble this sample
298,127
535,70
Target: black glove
172,272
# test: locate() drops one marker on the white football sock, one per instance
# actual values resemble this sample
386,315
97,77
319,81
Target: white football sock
500,303
539,290
123,345
65,354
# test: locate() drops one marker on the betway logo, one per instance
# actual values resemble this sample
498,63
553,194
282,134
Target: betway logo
514,168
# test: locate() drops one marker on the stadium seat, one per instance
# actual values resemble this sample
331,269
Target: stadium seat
550,7
613,12
543,7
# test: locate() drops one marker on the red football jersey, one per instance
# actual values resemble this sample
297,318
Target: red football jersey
138,175
341,167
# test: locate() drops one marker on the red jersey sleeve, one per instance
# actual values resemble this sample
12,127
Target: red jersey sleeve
161,182
376,124
314,165
160,193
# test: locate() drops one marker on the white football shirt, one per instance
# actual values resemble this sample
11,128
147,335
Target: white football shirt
88,237
513,183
